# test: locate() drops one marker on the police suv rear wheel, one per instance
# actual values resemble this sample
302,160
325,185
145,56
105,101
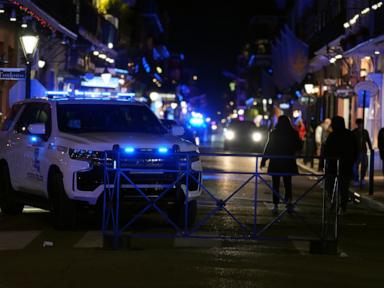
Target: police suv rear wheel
8,200
64,209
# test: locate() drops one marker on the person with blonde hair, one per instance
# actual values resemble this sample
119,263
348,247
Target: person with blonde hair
321,134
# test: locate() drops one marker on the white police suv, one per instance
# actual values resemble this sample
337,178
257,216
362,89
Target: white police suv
52,153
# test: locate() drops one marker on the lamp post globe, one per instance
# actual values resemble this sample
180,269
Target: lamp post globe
106,76
29,43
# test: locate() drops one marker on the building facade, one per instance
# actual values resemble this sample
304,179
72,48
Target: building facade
344,39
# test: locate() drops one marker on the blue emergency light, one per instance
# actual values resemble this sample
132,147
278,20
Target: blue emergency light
80,95
129,150
163,150
33,139
196,121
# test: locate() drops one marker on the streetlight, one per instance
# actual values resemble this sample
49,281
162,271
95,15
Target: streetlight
29,43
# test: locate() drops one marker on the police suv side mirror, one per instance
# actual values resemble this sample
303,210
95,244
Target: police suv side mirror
36,129
177,131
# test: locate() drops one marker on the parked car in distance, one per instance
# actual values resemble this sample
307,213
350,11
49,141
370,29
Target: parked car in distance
244,136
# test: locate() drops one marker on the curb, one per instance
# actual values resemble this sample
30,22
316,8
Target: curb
372,203
367,201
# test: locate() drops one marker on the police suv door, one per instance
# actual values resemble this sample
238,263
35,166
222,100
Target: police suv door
29,148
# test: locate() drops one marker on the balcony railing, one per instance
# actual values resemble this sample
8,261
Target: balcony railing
320,27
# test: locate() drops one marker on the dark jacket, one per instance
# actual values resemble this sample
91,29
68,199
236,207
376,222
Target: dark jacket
341,144
380,143
362,140
282,142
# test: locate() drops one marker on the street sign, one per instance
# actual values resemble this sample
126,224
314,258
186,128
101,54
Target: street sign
365,90
344,92
12,73
369,87
364,101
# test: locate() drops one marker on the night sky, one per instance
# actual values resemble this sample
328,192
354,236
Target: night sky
211,36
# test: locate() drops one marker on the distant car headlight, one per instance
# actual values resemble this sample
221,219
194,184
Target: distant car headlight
257,137
229,134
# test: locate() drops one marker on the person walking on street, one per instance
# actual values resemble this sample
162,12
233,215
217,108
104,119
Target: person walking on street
363,140
321,134
283,141
341,152
380,144
310,149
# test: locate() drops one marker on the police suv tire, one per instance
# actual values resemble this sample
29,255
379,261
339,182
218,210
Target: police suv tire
64,209
8,200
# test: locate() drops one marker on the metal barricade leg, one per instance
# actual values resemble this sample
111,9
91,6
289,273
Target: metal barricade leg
255,197
328,244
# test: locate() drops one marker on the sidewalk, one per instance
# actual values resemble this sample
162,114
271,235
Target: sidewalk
375,201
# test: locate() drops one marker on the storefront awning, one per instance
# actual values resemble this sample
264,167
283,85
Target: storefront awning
367,48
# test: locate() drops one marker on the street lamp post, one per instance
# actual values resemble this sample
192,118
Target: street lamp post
29,43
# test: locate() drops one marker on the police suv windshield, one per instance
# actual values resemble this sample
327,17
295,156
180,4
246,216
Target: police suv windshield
87,118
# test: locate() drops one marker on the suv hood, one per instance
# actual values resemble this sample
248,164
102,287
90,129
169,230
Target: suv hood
105,141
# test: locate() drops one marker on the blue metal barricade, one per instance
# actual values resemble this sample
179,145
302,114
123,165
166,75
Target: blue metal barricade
121,178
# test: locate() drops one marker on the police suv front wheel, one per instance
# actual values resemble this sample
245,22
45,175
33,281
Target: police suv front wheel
8,200
64,209
177,212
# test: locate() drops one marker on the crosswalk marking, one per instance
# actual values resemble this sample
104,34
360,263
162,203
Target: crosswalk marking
15,240
18,240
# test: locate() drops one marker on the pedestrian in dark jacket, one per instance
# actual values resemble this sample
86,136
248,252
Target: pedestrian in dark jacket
341,152
380,144
283,141
363,141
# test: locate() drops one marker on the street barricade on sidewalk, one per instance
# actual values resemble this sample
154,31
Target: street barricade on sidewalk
235,201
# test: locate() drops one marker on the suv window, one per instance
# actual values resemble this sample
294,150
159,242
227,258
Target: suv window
11,117
88,118
35,113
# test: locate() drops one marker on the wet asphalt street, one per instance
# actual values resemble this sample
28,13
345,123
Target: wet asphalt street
33,254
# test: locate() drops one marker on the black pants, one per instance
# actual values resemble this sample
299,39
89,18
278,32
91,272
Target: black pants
382,167
344,182
321,158
287,180
362,161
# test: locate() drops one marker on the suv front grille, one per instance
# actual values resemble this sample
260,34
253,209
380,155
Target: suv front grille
140,162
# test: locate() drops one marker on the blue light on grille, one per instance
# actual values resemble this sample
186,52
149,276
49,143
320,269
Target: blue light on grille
196,122
163,150
33,139
129,150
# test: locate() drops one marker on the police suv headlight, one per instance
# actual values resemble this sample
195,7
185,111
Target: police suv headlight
85,155
190,158
257,136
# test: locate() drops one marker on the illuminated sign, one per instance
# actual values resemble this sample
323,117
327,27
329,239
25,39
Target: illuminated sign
98,82
167,96
12,73
284,106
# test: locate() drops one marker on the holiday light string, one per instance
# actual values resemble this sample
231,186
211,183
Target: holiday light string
28,11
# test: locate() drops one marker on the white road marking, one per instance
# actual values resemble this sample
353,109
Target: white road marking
91,239
301,246
15,240
29,209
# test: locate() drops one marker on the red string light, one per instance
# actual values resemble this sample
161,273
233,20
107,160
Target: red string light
28,11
